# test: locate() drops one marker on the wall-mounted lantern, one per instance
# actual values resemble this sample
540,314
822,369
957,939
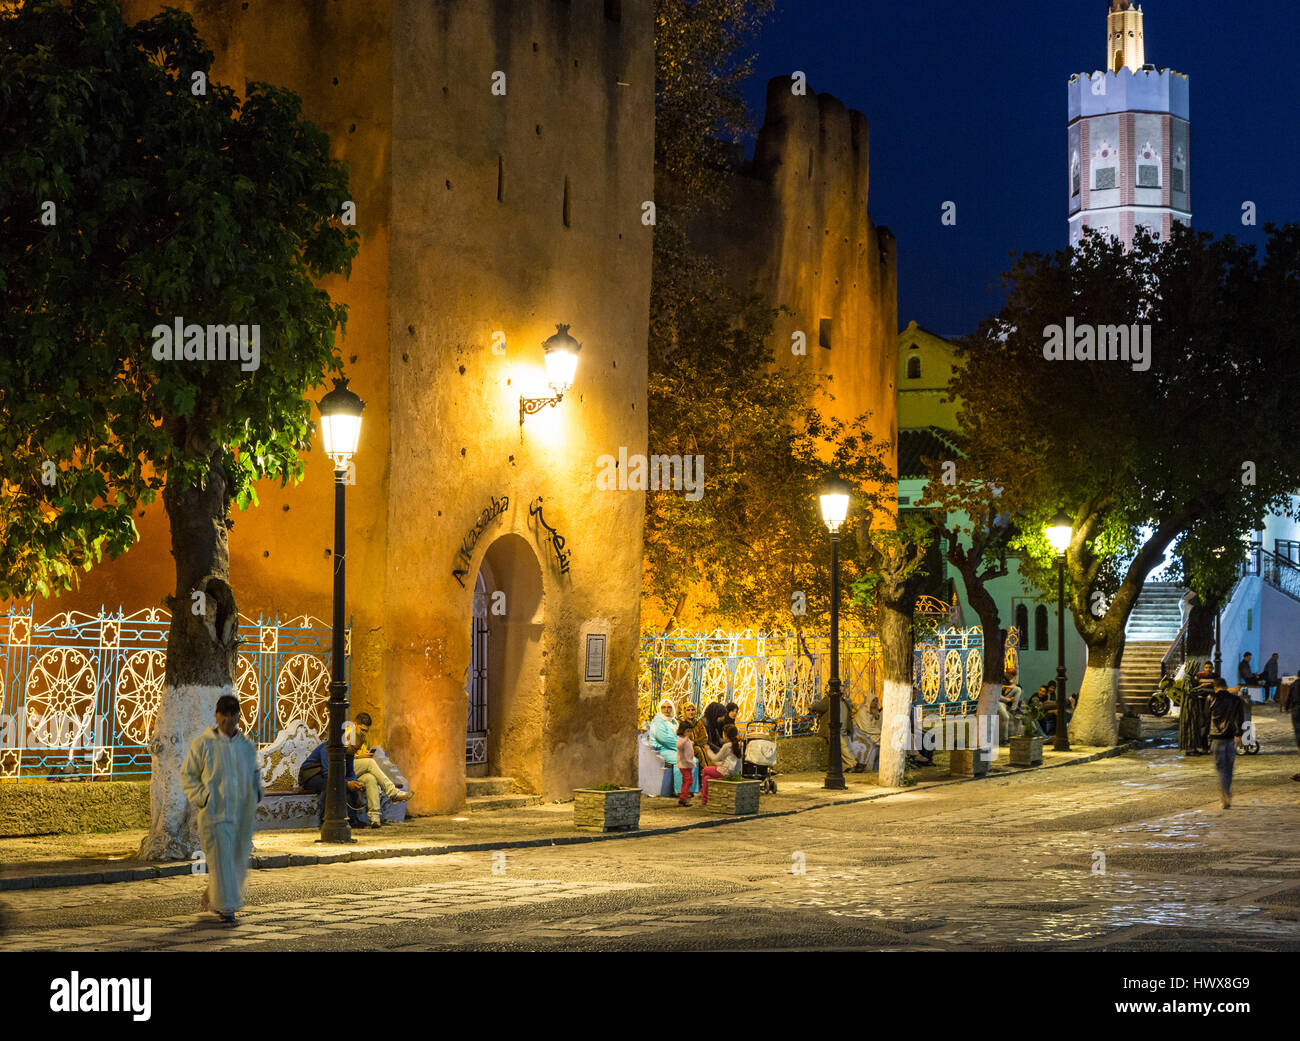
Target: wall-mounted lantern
561,363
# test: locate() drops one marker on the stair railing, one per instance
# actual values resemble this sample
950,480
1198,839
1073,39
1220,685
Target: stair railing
1177,653
1278,572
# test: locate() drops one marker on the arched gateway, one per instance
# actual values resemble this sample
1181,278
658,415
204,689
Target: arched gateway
505,680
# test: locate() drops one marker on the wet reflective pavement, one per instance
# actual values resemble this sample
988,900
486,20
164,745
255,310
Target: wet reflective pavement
1129,853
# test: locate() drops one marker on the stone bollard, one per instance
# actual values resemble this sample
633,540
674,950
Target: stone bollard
1130,727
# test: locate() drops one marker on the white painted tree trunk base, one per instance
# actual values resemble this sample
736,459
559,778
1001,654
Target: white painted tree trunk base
1094,720
183,714
896,710
986,715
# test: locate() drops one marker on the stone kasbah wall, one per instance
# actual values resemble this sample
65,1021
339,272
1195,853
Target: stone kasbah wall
480,244
461,205
798,223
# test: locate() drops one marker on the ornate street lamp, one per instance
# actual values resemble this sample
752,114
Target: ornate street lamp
561,363
1059,532
340,426
835,507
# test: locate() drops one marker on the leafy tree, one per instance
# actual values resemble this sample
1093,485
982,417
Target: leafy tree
977,533
168,203
703,55
753,548
1135,456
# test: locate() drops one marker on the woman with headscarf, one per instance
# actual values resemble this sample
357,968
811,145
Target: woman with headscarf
663,733
866,726
717,716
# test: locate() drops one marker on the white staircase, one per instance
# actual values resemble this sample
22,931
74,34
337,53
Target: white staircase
1151,628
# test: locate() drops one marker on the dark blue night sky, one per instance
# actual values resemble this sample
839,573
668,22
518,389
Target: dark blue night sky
967,101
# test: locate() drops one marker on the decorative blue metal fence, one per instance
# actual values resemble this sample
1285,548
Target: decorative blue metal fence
776,676
79,692
948,671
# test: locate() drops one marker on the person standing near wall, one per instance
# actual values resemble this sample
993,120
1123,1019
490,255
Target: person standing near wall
224,786
1269,676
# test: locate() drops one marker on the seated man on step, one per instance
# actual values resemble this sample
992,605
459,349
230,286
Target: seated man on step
313,776
367,771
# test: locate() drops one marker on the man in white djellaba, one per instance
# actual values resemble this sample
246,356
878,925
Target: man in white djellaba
224,786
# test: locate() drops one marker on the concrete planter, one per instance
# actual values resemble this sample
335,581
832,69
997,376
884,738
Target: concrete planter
968,762
1026,751
617,810
734,797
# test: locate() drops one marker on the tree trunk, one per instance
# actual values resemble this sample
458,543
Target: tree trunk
1094,720
1094,717
986,710
1200,630
200,657
896,706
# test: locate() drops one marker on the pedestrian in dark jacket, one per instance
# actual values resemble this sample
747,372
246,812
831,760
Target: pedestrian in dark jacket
1289,702
1269,676
1227,715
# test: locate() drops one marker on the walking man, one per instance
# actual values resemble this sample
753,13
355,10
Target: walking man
1227,714
224,786
1289,701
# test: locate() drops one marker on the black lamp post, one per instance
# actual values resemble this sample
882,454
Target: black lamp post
1218,646
1218,622
835,507
340,424
1058,534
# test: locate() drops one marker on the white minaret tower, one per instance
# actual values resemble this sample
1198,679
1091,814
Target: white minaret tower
1125,48
1129,138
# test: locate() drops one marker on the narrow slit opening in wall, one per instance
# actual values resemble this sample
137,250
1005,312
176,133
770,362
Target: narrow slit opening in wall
614,10
501,177
824,332
568,204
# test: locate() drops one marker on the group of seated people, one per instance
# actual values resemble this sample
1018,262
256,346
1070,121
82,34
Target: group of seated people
362,772
710,747
1011,708
697,749
859,732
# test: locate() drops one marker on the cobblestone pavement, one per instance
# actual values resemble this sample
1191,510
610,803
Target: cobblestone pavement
1130,853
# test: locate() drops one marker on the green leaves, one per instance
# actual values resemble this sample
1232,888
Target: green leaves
164,210
1137,458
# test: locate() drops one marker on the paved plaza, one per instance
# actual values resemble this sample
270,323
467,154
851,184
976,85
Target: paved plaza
1125,853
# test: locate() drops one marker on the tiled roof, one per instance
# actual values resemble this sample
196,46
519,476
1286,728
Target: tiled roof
915,445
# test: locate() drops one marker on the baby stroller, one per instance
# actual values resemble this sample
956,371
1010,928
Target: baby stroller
759,755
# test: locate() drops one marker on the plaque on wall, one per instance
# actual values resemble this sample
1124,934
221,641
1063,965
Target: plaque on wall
595,672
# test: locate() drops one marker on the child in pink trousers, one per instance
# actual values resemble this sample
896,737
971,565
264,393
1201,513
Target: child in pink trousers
685,762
